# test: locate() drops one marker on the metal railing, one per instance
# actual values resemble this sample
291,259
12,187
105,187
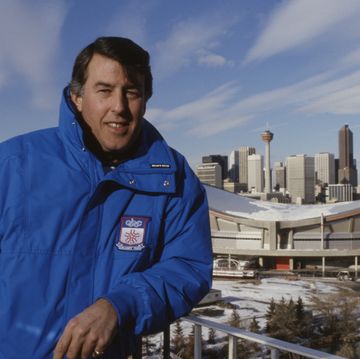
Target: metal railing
274,345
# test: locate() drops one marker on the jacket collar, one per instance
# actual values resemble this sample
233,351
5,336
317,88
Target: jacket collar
151,169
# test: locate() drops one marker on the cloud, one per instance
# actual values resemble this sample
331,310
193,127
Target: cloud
203,117
344,101
188,42
134,26
30,40
218,125
222,110
351,59
295,23
213,60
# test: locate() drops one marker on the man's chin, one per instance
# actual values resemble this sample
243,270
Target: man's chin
117,149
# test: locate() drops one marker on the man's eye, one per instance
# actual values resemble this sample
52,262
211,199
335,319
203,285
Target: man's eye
133,93
104,90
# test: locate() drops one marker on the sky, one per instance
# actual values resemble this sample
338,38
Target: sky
224,70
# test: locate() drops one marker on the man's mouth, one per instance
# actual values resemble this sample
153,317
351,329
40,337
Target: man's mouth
116,124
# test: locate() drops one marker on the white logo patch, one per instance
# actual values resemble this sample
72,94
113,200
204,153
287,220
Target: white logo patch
132,233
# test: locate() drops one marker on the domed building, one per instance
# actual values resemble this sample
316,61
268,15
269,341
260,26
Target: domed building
285,236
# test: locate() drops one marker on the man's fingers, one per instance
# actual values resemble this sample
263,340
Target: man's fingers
62,346
89,346
89,332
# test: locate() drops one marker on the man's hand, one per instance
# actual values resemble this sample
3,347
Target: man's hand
90,331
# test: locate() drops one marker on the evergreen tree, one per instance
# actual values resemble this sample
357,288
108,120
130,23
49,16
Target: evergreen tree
254,325
178,339
281,320
300,312
211,336
188,352
347,351
270,315
147,346
292,323
234,320
338,330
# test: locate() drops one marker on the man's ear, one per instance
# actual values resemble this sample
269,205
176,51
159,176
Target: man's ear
77,100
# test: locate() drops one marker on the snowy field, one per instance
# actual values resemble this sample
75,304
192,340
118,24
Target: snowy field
252,298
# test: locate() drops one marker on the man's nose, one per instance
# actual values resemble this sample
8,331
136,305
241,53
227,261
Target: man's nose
119,103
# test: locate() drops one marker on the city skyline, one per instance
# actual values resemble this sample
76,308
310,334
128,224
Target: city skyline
300,178
223,71
261,149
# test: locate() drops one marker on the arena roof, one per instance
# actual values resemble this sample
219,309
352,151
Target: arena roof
240,206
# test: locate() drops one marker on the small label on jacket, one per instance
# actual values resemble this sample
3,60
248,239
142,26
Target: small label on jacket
132,233
160,165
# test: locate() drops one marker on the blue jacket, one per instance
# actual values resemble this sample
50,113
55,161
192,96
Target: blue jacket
70,234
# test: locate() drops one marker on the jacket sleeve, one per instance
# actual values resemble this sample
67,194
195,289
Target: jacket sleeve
146,302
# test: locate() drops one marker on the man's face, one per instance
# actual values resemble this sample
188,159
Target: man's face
111,103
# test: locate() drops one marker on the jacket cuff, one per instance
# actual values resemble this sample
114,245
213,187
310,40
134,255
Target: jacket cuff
126,304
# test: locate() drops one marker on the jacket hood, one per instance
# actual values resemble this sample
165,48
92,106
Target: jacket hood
152,167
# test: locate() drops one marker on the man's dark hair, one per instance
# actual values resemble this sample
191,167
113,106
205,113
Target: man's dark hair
134,59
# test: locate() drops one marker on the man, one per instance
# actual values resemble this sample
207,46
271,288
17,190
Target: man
104,229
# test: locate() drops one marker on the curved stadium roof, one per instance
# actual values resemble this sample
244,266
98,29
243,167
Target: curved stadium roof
240,206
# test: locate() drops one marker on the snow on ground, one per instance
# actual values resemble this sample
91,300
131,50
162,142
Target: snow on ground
253,298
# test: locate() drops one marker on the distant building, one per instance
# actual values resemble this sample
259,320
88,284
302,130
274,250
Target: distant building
280,176
234,164
231,186
244,152
210,173
300,178
324,168
221,160
347,169
285,237
255,173
336,170
340,193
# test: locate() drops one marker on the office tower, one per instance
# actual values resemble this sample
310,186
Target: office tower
244,152
340,193
234,166
324,168
231,186
300,178
210,173
336,170
255,173
267,137
347,172
221,160
279,175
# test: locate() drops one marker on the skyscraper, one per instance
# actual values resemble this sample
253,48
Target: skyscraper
234,166
244,152
255,173
300,178
347,169
210,173
221,160
324,168
280,175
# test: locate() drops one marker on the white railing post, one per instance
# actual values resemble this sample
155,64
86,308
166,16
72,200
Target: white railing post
197,341
232,347
274,353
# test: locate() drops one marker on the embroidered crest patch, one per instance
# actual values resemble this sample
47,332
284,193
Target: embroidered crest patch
132,233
